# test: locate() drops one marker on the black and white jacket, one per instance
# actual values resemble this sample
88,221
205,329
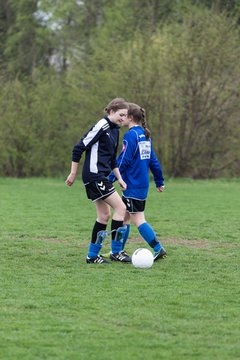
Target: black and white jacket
100,144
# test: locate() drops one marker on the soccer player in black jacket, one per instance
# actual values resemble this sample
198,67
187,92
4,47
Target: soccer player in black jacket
100,144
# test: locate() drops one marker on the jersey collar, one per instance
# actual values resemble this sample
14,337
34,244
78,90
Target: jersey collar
111,124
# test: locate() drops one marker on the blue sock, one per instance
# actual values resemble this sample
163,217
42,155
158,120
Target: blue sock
149,236
125,236
116,246
94,250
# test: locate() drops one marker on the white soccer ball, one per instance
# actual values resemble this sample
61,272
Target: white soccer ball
142,258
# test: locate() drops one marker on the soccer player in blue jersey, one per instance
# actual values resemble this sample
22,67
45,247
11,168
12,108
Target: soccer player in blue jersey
135,160
100,145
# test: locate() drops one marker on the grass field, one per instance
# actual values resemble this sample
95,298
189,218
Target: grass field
55,306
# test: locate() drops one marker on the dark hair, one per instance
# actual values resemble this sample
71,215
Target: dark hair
139,117
116,104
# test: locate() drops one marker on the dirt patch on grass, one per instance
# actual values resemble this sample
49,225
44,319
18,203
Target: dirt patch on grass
54,240
193,243
190,243
198,244
201,244
51,240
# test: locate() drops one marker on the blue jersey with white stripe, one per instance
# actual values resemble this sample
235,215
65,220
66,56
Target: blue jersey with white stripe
100,144
135,160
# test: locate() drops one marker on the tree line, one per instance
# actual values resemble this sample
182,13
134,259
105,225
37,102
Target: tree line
62,61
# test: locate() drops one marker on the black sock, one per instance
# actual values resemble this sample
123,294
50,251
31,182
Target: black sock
114,226
96,228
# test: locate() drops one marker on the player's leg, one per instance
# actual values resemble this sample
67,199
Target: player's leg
103,215
126,223
148,234
119,210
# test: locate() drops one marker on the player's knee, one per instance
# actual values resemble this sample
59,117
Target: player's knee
104,217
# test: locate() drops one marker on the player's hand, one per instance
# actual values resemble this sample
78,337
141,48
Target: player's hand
70,179
122,184
160,188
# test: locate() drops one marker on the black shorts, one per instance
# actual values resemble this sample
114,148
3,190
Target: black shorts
134,205
97,190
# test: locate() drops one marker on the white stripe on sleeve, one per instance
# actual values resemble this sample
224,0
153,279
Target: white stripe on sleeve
101,124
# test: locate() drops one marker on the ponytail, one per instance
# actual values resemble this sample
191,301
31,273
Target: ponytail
144,124
139,117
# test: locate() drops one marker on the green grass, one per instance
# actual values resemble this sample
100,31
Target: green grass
55,306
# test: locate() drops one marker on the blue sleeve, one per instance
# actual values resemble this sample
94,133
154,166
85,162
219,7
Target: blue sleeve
156,169
129,148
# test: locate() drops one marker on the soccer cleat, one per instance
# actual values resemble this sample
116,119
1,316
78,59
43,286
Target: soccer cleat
161,254
122,256
124,253
96,260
